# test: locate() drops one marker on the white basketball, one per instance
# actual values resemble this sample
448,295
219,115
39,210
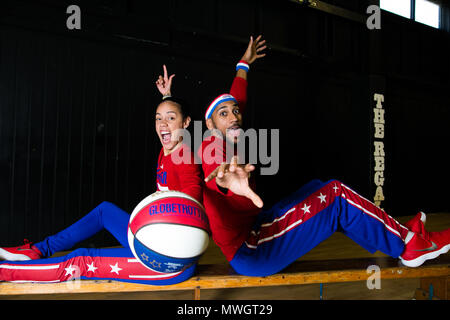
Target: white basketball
168,231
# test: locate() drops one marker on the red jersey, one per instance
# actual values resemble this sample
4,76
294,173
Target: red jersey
185,176
231,216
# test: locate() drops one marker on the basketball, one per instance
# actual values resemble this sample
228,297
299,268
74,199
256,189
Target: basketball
168,231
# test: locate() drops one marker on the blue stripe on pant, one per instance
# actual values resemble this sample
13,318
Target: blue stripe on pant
105,216
272,256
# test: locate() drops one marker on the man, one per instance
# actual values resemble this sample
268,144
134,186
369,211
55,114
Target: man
262,242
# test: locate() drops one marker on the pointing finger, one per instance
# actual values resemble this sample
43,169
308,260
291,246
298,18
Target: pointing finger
257,201
170,78
233,163
212,175
165,71
222,170
249,167
261,48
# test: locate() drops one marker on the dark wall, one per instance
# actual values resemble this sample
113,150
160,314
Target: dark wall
77,106
414,60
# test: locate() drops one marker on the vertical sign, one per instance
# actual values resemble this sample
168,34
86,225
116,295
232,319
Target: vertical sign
378,147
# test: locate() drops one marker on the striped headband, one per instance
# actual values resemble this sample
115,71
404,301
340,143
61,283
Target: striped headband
222,98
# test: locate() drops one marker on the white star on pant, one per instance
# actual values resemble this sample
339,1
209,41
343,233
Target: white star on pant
322,198
335,188
306,208
69,270
91,267
115,268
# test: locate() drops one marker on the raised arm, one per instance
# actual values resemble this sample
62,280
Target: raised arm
253,52
239,85
164,83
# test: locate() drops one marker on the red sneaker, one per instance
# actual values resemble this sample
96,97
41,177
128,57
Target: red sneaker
22,253
420,248
417,224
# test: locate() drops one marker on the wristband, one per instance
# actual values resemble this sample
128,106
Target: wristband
166,96
242,64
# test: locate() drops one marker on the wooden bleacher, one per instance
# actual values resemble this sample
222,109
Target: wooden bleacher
214,276
336,260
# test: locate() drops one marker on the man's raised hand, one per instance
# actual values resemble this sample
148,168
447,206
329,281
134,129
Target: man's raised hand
254,49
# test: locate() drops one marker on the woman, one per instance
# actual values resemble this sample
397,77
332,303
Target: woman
26,263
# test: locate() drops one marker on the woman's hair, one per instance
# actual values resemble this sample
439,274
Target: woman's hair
182,105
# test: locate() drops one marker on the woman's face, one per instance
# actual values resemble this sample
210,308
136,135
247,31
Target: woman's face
168,122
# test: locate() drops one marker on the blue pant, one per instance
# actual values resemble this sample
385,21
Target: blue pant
280,236
105,216
301,221
110,263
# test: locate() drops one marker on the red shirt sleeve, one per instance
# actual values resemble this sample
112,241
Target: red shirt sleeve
239,91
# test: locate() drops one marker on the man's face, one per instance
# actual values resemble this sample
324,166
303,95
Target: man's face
227,119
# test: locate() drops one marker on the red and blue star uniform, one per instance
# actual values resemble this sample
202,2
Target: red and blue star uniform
106,263
262,242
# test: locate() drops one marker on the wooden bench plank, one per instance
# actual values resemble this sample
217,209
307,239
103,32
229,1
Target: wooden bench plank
216,276
440,288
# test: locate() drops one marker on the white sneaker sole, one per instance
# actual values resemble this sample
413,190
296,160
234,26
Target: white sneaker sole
5,255
428,256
